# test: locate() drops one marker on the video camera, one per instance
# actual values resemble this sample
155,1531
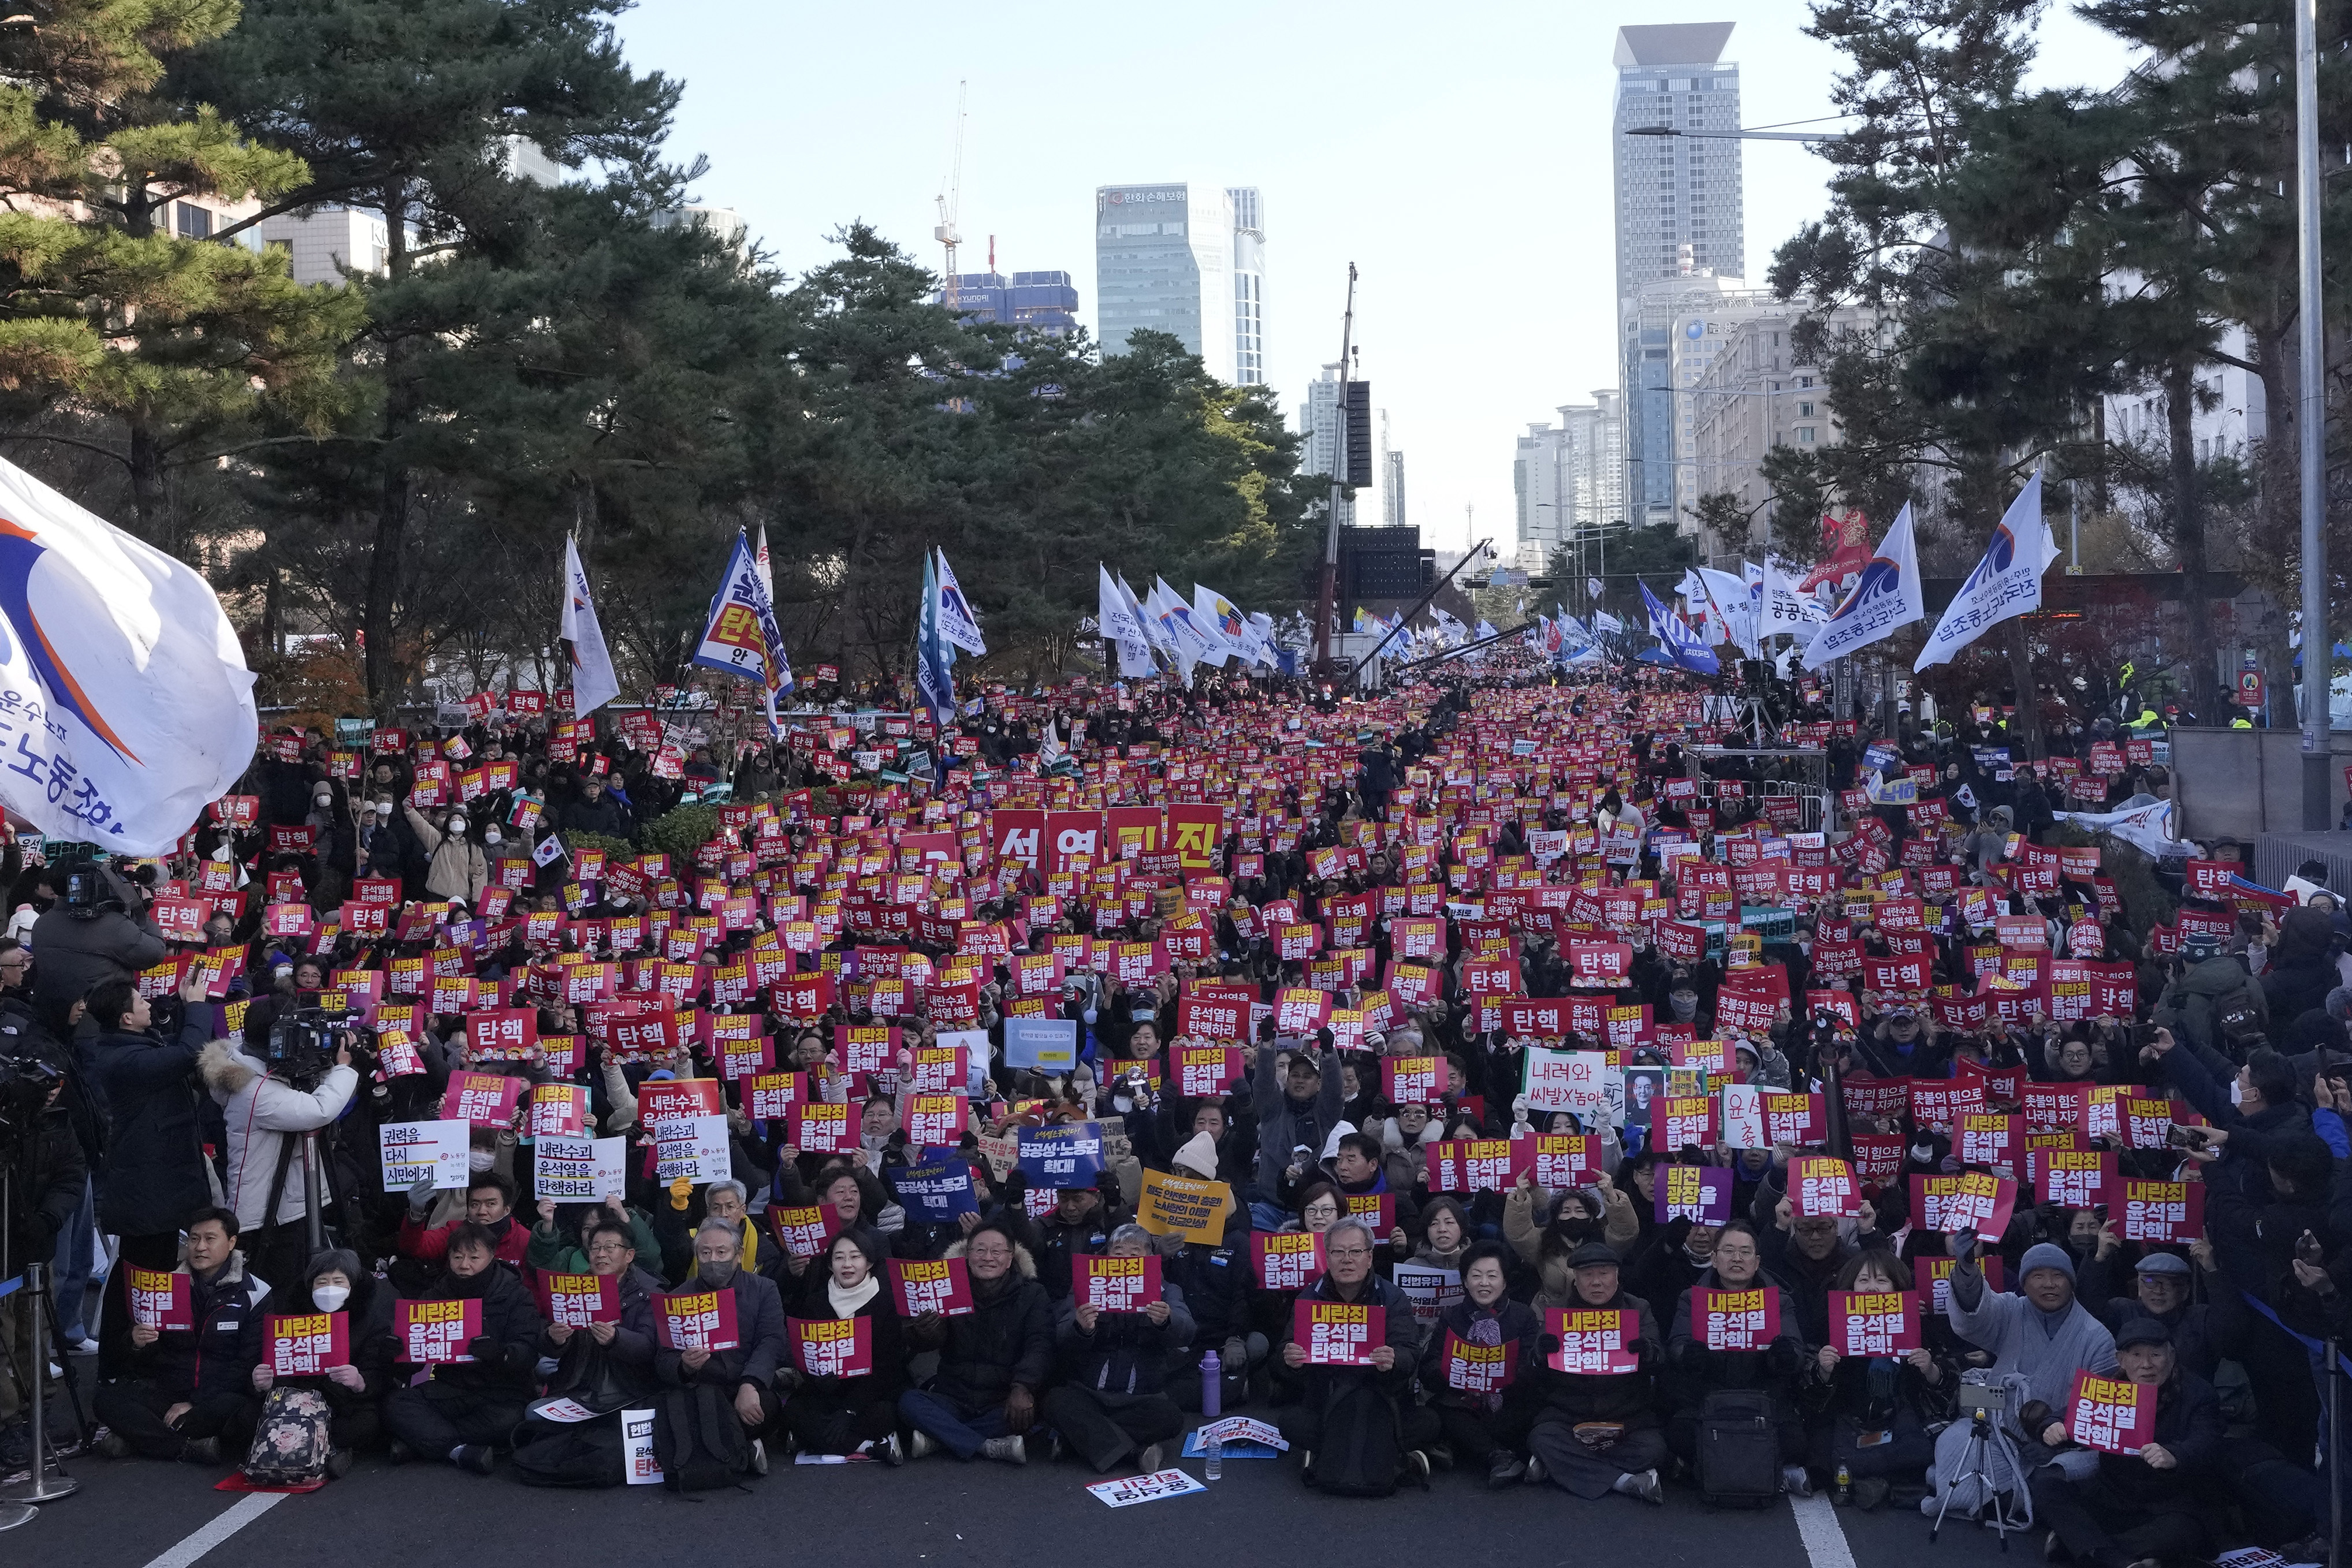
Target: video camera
302,1045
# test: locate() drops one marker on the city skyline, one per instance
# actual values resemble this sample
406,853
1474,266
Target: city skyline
1465,169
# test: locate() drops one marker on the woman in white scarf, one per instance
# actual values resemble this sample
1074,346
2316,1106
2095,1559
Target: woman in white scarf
849,1411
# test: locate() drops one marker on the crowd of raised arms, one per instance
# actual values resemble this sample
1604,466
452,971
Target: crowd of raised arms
1479,1077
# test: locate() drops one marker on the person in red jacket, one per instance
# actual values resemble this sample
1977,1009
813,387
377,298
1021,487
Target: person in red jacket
489,1203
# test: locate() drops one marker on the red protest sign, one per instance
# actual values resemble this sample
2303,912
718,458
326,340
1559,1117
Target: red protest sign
158,1298
1736,1320
1874,1322
938,1285
1797,1120
2163,1211
820,1127
1412,1079
833,1347
558,1111
2075,1178
1595,1343
1972,1200
579,1299
434,1334
306,1343
500,1032
802,1232
695,1320
678,1099
1477,1165
1338,1334
1205,1069
2113,1414
1117,1284
1823,1185
1563,1160
482,1099
1479,1368
1288,1260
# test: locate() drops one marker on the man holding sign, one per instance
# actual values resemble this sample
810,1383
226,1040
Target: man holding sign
1112,1401
1352,1333
740,1367
188,1391
1730,1331
2157,1432
471,1406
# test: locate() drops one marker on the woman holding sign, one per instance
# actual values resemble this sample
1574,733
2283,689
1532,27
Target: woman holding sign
1875,1381
853,1413
1478,1366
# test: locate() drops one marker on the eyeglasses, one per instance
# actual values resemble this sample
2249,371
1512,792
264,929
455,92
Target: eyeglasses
1350,1252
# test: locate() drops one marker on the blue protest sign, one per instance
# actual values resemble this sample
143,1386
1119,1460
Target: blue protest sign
1066,1155
935,1192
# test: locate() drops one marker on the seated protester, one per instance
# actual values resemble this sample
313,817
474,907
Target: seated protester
489,1203
2161,1289
849,1415
841,1191
2041,1333
189,1395
1675,1260
1873,1411
605,1366
1358,1167
1080,1223
1111,1398
1479,1427
1595,1433
467,1408
2139,1508
1805,1256
1216,1277
1320,1209
336,1282
1694,1371
731,1201
1319,1395
746,1376
554,1248
1444,1235
1546,1229
993,1360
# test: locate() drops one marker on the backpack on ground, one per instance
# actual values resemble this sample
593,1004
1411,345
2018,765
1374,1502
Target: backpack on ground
699,1441
1361,1451
291,1441
1739,1449
571,1454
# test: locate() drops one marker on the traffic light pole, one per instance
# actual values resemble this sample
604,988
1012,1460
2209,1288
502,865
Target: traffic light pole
1327,595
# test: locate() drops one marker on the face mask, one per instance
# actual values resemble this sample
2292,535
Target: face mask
322,801
384,807
492,836
480,1159
456,824
330,1298
714,1273
1684,1008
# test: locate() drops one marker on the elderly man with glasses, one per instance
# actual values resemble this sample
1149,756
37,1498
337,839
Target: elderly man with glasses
993,1360
605,1363
1330,1402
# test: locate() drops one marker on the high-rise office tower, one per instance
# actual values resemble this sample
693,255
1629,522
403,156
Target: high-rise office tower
1678,215
1188,260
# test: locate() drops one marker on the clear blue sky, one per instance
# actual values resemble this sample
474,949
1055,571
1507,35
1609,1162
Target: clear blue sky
1458,154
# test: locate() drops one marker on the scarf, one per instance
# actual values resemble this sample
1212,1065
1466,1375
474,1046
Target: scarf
848,1302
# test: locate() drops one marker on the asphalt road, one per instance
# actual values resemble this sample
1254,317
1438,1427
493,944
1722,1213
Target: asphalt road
132,1513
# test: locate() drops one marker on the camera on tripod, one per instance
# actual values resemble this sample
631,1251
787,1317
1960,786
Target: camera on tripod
303,1044
26,1082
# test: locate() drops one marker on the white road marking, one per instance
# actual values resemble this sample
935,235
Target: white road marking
248,1509
1817,1525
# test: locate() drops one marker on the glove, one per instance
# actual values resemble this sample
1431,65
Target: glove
1963,1244
420,1197
485,1350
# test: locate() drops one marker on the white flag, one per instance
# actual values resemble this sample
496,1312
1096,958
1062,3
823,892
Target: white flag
2006,582
1728,596
1885,598
551,850
1122,627
1785,610
2147,828
1257,640
593,682
1147,612
957,624
1592,586
1220,622
760,559
127,704
1605,622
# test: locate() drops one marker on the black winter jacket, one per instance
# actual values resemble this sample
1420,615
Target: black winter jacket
154,1173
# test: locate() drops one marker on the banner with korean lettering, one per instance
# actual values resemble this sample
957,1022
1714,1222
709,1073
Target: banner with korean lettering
1479,1368
1797,1120
941,1285
697,1320
1477,1165
2163,1211
1581,1082
1701,1194
1563,1160
1971,1200
1874,1322
1286,1260
1182,1206
576,1301
2075,1178
2113,1414
1338,1334
833,1347
481,1099
436,1334
159,1298
1823,1186
1069,1155
1736,1320
1595,1343
305,1344
1111,1284
1202,1070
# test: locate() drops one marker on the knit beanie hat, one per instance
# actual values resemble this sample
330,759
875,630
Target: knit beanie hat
1198,1155
2046,1255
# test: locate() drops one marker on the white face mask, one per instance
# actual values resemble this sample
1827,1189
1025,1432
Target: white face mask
220,851
384,807
480,1159
330,1298
456,824
491,836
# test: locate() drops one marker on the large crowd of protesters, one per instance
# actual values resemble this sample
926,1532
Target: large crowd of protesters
1348,975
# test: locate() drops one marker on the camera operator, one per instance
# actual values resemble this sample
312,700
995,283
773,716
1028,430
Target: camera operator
99,930
153,1172
266,1111
47,1176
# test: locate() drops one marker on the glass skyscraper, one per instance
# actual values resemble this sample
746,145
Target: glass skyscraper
1679,215
1188,260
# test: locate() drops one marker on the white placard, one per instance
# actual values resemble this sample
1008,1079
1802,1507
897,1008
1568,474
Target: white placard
414,1150
694,1147
580,1170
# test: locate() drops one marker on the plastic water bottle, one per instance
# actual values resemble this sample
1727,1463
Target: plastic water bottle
1213,1387
1215,1467
1844,1486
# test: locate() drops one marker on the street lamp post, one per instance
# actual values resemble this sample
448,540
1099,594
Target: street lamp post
2311,428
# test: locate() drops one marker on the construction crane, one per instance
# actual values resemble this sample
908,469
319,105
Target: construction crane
951,196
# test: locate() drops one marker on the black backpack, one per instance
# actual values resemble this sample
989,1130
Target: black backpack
1739,1449
1361,1451
699,1441
574,1454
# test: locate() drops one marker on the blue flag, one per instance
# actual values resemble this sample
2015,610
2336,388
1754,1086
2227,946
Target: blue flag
1681,643
934,658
